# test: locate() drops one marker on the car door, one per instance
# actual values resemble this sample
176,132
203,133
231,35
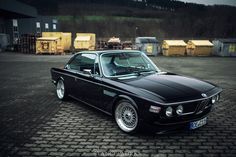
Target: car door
72,69
87,86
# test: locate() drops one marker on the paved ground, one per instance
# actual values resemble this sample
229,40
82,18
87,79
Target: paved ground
34,123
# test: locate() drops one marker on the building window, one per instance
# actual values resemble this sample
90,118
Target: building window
46,26
54,21
15,23
37,24
54,26
38,28
15,31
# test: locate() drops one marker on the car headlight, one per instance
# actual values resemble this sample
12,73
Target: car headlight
213,99
154,109
169,112
179,110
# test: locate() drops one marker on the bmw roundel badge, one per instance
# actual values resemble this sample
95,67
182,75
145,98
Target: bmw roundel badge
204,95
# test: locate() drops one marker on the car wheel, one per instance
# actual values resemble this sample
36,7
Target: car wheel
61,90
126,116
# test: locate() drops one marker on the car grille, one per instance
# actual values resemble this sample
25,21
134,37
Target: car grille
190,108
202,106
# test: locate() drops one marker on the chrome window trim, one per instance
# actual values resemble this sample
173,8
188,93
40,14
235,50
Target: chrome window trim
100,58
97,59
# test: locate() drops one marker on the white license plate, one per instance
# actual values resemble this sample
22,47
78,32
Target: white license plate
197,124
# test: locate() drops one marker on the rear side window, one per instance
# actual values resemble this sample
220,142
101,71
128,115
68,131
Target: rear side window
84,62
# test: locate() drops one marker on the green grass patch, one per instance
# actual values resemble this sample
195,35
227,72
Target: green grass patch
104,18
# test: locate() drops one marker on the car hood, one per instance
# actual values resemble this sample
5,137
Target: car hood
171,87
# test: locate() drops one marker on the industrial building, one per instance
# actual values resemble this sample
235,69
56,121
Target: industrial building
17,18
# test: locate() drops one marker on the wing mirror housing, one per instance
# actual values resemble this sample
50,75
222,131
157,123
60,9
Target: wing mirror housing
67,66
88,72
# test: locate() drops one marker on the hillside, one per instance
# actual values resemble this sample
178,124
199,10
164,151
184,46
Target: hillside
127,18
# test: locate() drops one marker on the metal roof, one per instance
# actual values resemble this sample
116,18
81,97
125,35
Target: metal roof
82,38
48,38
146,40
226,40
15,9
146,37
175,42
201,42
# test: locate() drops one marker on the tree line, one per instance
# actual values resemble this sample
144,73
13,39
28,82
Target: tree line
175,19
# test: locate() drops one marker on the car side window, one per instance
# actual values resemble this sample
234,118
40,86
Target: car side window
85,61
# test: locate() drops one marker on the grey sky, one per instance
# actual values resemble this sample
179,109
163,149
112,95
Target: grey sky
211,2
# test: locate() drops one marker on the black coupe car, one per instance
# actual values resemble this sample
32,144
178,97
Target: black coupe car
127,85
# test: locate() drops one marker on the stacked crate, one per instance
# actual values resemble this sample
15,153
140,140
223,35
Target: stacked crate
27,43
114,43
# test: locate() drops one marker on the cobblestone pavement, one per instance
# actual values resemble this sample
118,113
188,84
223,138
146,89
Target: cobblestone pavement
34,123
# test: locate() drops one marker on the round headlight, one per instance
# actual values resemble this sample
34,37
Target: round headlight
213,99
179,110
169,111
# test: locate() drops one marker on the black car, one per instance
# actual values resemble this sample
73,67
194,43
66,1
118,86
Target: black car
126,84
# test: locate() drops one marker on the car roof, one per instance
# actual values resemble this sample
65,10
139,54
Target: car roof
110,51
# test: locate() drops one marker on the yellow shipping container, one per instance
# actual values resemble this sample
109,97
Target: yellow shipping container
199,48
85,41
49,45
65,39
174,48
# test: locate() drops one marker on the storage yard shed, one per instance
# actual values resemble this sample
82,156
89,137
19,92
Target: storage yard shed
85,41
53,43
173,47
224,47
149,45
50,45
65,38
199,48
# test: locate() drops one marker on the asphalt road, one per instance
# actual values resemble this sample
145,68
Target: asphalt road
33,122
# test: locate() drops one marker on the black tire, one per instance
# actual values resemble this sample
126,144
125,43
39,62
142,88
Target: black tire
127,117
61,90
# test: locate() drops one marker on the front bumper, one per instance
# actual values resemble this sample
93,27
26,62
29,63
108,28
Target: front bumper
165,128
162,124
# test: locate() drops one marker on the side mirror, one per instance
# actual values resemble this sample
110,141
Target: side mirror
67,66
88,72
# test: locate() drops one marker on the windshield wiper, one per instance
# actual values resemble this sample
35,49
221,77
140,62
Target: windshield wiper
142,72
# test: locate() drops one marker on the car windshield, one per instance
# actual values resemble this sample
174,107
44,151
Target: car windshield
126,63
